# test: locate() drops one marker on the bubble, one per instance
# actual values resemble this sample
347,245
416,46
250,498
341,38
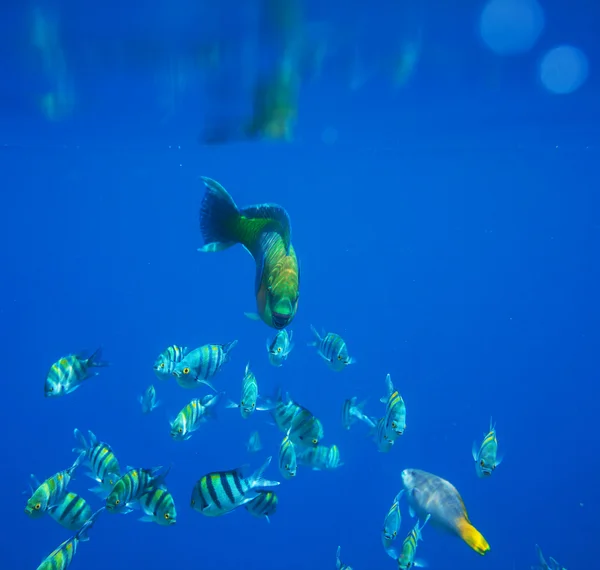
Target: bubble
511,27
564,69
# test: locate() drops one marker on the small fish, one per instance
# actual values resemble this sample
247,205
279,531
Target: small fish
148,400
395,411
283,409
287,458
391,524
50,494
320,458
192,416
265,231
61,558
380,435
72,512
221,492
158,507
543,565
249,400
101,460
201,364
351,412
305,430
486,456
166,361
428,494
280,347
406,558
66,375
131,486
263,505
338,561
254,443
332,348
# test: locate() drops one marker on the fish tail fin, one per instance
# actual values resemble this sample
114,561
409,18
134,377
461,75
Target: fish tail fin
219,218
228,347
472,537
317,335
76,464
82,532
257,479
83,444
96,361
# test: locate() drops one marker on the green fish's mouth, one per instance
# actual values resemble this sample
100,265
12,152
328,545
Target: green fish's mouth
280,321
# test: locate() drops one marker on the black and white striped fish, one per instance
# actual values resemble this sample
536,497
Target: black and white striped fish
332,348
166,361
72,512
263,505
201,364
99,457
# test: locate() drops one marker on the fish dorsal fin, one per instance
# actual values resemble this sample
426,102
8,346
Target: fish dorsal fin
270,217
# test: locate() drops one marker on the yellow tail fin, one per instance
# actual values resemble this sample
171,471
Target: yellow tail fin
472,537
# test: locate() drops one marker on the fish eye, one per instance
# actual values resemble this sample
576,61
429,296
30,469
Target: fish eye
192,502
315,441
394,425
278,349
38,506
481,463
186,370
408,564
253,405
180,430
286,466
51,389
167,516
118,502
339,357
395,533
162,365
243,403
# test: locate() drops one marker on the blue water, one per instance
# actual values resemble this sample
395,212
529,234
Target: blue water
450,235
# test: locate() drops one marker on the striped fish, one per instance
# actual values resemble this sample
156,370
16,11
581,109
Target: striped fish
332,348
395,411
201,364
131,486
249,400
392,522
221,492
382,439
280,347
66,375
254,443
486,456
166,361
263,505
406,557
101,460
72,512
351,412
190,418
61,558
320,458
287,458
51,493
158,507
283,410
338,560
305,430
148,400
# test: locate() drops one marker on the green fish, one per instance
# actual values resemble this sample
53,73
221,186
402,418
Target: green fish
158,506
265,231
130,488
249,401
104,466
263,505
66,375
166,360
486,456
72,513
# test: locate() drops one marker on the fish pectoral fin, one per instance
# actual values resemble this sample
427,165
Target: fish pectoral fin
419,563
253,316
216,246
411,512
146,519
475,450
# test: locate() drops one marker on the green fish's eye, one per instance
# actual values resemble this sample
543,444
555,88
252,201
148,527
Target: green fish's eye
315,441
162,365
339,357
186,370
395,534
243,403
278,349
38,506
394,425
167,516
193,502
118,502
481,463
180,430
253,405
287,466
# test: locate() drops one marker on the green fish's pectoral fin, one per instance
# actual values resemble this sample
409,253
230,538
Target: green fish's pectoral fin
268,218
253,317
474,450
219,218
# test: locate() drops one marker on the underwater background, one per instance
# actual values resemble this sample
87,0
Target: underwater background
440,168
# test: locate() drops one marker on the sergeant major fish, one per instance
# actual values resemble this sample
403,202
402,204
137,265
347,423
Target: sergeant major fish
61,558
201,364
101,460
158,507
131,486
148,400
351,412
166,360
72,513
332,348
395,411
280,347
263,505
265,232
287,458
391,524
249,400
338,560
51,493
486,456
320,457
428,494
70,372
406,558
192,416
221,492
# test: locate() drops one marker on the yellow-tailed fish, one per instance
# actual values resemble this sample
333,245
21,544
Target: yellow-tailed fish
391,524
61,558
51,493
263,505
395,410
249,399
192,417
254,443
221,492
351,412
486,455
66,375
406,557
200,365
99,457
287,458
166,360
280,347
338,560
131,486
265,231
428,494
148,400
158,507
72,513
332,348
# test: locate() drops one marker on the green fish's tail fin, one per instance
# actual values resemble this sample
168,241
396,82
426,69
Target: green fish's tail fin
219,218
262,218
95,361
